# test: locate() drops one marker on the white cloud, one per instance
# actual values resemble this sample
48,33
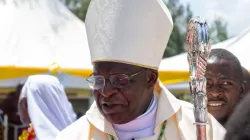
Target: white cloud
234,12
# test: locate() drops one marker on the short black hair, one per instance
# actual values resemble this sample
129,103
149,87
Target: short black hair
222,54
238,125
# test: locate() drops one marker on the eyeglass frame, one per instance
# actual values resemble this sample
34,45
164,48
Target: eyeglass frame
129,78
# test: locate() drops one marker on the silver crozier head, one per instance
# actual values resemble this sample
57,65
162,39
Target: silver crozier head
198,48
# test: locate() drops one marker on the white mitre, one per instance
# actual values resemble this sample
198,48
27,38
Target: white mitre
128,31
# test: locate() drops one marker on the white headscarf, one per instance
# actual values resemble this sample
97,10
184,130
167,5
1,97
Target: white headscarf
48,106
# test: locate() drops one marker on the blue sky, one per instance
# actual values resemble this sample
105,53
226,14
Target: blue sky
234,12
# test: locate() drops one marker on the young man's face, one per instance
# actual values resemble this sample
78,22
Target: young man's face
224,88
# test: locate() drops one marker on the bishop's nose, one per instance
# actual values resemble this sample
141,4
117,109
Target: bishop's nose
108,89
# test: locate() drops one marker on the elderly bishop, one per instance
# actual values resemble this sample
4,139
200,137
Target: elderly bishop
127,39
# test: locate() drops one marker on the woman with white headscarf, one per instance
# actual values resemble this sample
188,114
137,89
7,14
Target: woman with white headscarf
44,104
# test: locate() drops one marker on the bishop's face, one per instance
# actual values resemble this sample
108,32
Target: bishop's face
224,88
122,92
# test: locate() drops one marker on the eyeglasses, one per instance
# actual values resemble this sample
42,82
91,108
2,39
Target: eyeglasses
97,82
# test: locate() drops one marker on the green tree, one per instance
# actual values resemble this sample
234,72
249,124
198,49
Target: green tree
78,7
181,15
218,30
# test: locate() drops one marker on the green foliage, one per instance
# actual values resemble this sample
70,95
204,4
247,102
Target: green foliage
181,15
218,31
78,7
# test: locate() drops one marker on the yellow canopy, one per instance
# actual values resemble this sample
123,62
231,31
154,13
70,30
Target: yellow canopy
7,72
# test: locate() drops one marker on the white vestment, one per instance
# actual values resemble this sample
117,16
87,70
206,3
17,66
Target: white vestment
179,116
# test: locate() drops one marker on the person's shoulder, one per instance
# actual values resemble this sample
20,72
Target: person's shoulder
186,106
75,131
217,130
186,110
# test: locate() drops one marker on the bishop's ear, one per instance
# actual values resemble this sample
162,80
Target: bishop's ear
152,76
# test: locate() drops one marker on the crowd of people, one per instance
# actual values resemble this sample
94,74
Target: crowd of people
127,40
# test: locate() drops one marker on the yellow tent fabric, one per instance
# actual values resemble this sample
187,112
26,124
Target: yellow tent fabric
171,77
8,72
